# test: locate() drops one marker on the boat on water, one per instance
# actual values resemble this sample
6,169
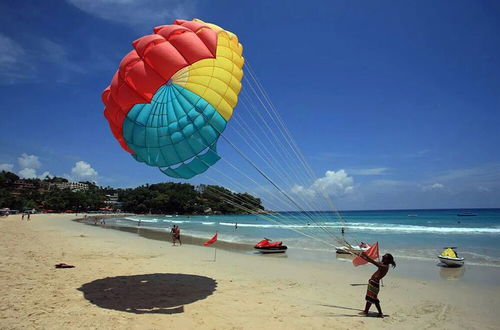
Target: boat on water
450,258
466,214
412,215
268,246
355,248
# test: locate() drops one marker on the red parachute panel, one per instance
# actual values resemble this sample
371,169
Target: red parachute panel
153,61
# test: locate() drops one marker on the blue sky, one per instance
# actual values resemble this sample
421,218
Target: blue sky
394,104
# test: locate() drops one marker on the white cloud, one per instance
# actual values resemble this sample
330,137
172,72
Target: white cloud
83,171
329,155
45,174
6,167
300,190
13,64
20,63
483,189
54,53
141,14
332,184
28,164
435,186
28,161
480,174
27,173
369,171
11,51
419,154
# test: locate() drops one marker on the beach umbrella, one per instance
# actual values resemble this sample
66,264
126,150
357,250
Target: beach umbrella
173,94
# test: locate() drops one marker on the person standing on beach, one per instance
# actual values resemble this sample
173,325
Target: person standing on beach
22,217
28,216
374,282
178,234
173,232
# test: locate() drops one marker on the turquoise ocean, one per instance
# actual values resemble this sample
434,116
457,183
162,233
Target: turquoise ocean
409,234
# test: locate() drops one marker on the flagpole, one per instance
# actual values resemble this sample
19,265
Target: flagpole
215,249
378,259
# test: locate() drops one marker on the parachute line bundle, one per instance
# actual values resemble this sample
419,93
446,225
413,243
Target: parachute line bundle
170,101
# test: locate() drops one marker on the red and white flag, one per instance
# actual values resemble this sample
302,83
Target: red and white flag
372,252
211,241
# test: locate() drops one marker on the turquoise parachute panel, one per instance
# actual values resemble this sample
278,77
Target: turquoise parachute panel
177,132
197,165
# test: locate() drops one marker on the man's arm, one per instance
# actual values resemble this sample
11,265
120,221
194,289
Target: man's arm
370,260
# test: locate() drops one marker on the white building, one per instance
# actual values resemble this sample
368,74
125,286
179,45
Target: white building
73,186
112,200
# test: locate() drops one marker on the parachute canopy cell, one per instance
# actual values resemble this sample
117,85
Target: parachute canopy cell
173,94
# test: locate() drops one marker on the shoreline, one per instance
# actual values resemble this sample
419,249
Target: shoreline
124,281
417,268
159,235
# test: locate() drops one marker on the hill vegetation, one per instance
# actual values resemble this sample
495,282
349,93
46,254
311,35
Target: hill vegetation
161,198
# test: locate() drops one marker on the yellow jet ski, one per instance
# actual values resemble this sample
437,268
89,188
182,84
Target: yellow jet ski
450,258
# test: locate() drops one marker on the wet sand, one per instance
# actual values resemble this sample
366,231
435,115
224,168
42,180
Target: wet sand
418,269
122,280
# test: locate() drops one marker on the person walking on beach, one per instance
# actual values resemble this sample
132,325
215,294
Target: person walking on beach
28,216
178,234
172,232
374,282
22,217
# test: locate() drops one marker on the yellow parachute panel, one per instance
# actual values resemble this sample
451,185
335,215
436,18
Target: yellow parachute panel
217,80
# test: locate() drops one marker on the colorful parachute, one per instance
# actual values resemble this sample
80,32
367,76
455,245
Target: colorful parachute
172,96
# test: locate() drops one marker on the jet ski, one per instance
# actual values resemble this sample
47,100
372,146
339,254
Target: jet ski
450,258
356,249
267,246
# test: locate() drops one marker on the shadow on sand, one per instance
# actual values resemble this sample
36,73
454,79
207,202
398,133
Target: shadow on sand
148,293
354,314
450,273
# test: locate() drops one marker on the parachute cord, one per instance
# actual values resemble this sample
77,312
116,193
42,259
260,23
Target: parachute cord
292,216
271,181
265,155
287,160
284,131
258,214
276,221
276,139
265,176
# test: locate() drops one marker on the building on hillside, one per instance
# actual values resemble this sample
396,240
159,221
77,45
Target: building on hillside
23,184
73,186
112,200
20,186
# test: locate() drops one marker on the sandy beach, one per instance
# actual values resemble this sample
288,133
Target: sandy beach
122,280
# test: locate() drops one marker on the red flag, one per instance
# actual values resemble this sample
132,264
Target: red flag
211,241
372,252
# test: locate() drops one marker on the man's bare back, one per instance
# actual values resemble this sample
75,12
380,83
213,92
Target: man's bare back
381,271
